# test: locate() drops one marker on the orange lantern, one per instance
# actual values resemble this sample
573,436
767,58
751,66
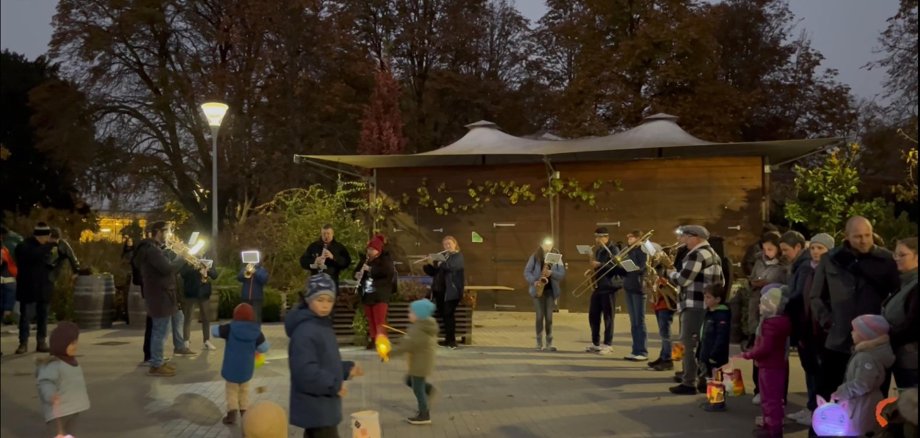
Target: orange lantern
677,351
384,347
882,421
715,392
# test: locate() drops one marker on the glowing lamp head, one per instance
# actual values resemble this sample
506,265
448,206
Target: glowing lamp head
832,419
214,112
547,244
260,360
384,347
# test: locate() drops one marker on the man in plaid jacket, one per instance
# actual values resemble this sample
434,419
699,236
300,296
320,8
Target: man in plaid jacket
701,268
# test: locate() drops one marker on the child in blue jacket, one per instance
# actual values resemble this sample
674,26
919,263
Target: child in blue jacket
318,372
254,277
244,339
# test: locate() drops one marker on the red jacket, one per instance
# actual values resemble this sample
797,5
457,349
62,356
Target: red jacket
769,349
9,263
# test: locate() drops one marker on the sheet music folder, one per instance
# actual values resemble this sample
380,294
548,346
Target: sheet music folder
584,249
629,266
553,259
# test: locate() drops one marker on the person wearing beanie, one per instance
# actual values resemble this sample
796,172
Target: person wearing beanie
853,279
823,239
34,288
244,339
769,354
420,342
866,371
376,284
265,419
317,370
61,386
253,277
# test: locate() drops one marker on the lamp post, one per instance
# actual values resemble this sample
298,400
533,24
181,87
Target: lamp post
214,112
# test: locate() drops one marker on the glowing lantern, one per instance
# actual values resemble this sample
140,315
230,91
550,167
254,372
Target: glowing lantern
260,360
882,421
715,392
677,351
832,419
384,347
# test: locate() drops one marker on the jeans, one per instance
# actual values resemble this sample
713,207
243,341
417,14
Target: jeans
544,308
808,356
257,307
376,316
177,320
691,320
8,296
421,389
40,312
664,330
157,337
601,304
203,304
635,305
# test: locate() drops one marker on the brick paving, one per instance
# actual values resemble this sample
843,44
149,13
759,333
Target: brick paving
497,387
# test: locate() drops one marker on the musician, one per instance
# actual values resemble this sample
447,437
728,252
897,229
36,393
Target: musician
701,268
376,284
326,255
539,274
253,276
196,291
606,283
635,296
447,287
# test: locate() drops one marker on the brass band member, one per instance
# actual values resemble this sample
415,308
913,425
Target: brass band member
635,297
447,287
544,289
664,313
604,295
326,255
253,276
196,291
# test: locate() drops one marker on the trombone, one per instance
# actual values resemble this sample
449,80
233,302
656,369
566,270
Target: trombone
590,282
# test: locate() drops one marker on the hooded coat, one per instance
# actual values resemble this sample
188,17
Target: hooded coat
244,338
317,369
864,377
33,282
54,376
419,343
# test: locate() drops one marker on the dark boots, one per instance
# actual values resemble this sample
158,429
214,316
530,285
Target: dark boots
231,417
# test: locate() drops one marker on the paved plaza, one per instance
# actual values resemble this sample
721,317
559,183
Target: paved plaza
496,387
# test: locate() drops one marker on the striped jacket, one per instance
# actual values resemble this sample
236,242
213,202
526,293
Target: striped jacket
701,268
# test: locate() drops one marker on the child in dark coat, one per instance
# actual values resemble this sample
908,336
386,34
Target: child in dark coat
318,373
420,343
714,339
244,339
769,353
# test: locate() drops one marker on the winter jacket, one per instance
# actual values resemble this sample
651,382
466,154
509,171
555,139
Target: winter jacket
902,313
317,369
379,284
158,277
192,287
33,284
606,279
243,340
341,259
534,270
714,339
62,252
847,285
800,273
253,287
56,377
865,374
420,343
8,267
769,349
632,281
448,277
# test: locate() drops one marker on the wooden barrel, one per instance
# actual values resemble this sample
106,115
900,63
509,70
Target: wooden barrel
137,308
94,301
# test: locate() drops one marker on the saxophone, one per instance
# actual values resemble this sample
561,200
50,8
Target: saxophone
544,277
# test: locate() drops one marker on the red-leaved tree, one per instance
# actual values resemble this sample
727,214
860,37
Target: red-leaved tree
381,125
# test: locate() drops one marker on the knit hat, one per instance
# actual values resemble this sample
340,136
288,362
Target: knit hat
771,298
41,229
376,243
243,312
319,284
422,308
62,336
695,230
265,419
601,232
823,239
870,326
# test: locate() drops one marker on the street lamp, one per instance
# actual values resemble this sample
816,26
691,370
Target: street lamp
214,112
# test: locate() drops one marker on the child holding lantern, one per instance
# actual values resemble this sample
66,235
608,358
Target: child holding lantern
244,339
420,343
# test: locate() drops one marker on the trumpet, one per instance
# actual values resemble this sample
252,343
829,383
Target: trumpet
593,276
670,252
250,269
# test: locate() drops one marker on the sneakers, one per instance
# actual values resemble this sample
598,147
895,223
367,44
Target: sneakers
539,343
635,357
209,346
664,365
549,347
42,347
606,349
162,371
184,351
683,390
802,417
23,348
420,418
231,417
593,348
756,399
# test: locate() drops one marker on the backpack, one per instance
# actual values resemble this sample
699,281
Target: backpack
136,278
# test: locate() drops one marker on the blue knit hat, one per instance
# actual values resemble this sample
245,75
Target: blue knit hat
319,284
422,308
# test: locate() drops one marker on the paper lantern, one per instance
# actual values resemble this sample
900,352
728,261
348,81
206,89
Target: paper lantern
260,360
715,392
882,421
384,347
677,351
832,419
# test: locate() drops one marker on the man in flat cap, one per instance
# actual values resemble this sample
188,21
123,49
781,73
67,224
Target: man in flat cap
701,269
606,283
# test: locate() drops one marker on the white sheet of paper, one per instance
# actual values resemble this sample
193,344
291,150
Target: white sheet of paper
437,257
207,263
553,259
193,239
629,266
250,257
584,249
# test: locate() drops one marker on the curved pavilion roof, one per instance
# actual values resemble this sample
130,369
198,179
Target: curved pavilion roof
658,136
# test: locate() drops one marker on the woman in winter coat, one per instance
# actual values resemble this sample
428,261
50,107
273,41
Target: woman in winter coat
901,311
447,287
376,284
